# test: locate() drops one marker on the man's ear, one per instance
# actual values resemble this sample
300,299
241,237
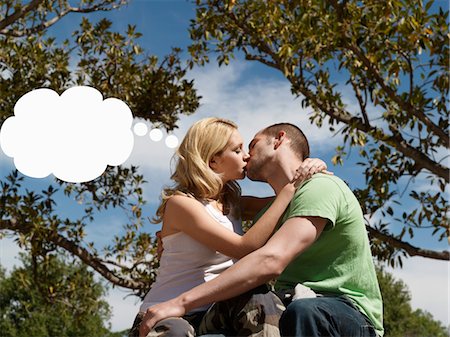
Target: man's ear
280,138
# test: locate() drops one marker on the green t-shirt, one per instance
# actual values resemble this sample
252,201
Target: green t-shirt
340,261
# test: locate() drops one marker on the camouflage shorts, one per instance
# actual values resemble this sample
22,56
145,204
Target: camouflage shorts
255,314
170,327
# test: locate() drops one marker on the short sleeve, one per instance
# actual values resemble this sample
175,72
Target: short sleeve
319,196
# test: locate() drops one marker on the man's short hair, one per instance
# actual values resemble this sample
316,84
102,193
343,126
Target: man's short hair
298,142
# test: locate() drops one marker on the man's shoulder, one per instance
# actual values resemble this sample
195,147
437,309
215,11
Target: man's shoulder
321,180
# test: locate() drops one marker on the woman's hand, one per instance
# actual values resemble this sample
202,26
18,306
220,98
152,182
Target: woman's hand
309,167
159,312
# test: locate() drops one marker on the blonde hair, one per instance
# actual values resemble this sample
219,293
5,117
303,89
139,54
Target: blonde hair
193,176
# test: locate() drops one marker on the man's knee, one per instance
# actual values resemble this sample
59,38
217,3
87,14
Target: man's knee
304,309
303,317
303,305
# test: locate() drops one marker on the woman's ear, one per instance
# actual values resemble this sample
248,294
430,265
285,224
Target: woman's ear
213,163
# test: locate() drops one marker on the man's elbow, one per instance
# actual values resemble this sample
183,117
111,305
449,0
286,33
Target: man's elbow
272,264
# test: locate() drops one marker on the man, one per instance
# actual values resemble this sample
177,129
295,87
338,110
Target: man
321,245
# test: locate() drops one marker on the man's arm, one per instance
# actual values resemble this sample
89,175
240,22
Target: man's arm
294,237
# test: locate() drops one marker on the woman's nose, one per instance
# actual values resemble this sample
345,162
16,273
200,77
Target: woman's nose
246,156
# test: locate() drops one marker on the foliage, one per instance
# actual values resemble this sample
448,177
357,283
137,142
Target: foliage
392,58
52,297
399,318
34,221
114,63
109,61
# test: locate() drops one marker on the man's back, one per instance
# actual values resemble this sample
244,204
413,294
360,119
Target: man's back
340,261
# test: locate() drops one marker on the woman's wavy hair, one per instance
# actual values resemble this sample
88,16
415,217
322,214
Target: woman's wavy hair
193,176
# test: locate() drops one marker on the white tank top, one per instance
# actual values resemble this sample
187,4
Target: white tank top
187,263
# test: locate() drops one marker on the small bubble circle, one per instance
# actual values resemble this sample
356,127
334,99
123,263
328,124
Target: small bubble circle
140,129
172,141
156,135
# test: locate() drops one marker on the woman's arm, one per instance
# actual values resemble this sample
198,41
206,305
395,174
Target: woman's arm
294,237
189,216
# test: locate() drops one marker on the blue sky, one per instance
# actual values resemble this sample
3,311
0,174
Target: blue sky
252,95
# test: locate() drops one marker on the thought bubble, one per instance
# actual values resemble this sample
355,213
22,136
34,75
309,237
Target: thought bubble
156,135
172,141
73,136
140,129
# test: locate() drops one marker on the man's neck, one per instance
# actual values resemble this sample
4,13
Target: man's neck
283,173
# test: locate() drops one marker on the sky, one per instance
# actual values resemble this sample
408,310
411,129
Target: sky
251,95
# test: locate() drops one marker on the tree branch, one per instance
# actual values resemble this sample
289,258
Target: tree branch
396,141
410,249
18,14
72,247
51,22
443,136
362,103
439,132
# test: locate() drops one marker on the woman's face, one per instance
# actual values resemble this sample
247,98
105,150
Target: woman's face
232,161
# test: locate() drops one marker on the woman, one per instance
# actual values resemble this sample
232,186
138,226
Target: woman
201,218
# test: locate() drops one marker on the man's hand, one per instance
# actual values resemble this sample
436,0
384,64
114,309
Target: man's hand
159,312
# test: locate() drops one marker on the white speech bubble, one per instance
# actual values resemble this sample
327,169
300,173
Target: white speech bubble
74,136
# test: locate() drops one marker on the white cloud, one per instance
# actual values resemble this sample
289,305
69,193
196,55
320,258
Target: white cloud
254,104
428,281
6,164
9,253
124,309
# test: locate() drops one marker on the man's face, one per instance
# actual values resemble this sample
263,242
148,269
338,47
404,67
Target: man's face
259,149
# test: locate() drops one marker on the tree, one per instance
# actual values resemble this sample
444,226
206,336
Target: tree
393,57
398,316
49,296
114,63
109,61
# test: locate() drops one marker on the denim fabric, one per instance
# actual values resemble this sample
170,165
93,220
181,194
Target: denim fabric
324,316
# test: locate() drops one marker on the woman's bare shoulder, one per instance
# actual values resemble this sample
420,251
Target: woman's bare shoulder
182,201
